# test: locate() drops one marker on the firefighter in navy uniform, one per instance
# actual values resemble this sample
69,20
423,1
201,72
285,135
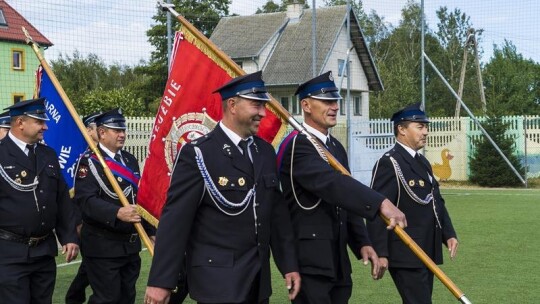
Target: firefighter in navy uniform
225,211
34,201
5,124
76,293
405,176
109,241
326,206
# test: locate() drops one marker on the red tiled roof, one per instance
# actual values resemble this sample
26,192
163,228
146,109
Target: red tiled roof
15,21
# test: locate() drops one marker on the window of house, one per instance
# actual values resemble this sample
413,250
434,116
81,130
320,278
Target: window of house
3,21
240,63
357,105
296,108
17,60
285,103
342,68
17,98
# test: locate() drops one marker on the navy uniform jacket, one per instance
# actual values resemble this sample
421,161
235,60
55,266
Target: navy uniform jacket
224,253
19,212
322,234
422,223
102,233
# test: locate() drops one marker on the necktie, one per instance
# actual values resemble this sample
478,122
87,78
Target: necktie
243,144
418,158
32,155
118,158
329,145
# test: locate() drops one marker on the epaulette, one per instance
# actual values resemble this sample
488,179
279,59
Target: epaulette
200,140
389,153
87,154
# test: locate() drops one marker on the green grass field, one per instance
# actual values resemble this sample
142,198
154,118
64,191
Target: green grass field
497,259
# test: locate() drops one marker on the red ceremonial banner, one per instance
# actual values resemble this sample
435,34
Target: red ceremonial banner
187,111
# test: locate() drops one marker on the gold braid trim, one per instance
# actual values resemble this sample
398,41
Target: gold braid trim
189,37
147,216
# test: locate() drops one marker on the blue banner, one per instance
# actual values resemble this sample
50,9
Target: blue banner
63,134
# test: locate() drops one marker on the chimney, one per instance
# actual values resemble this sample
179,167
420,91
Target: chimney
294,11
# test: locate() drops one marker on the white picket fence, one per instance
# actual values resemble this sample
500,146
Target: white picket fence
449,147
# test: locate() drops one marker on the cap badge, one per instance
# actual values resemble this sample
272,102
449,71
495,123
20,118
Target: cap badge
83,171
330,77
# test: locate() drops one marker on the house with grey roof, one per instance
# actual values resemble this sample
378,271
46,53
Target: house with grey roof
280,44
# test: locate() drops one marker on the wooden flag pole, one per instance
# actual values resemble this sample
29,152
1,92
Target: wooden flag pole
140,230
281,111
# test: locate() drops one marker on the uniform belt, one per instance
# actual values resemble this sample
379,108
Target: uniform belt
30,241
126,237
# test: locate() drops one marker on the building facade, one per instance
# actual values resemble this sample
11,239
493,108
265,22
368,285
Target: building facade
18,63
281,45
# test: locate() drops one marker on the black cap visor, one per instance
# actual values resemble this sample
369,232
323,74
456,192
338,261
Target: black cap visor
39,115
118,125
334,95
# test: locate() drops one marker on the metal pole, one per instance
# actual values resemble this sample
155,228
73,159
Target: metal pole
348,69
422,61
314,40
525,150
169,38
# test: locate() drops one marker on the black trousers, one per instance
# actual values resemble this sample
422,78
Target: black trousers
317,289
253,296
31,282
415,285
76,293
113,279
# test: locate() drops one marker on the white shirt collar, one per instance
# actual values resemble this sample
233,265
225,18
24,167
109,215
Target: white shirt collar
411,151
235,138
316,132
109,152
21,144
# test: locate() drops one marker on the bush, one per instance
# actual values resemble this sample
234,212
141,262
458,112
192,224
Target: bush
488,168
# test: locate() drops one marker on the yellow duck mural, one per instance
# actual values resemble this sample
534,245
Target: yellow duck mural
443,171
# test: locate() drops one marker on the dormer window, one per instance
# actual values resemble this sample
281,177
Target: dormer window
3,21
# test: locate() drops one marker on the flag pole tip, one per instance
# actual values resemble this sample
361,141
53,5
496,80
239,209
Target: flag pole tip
165,6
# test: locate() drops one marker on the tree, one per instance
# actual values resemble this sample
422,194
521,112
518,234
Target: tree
397,58
272,7
204,15
488,169
452,34
99,100
79,75
512,82
82,77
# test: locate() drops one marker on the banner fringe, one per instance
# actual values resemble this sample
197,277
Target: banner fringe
188,36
